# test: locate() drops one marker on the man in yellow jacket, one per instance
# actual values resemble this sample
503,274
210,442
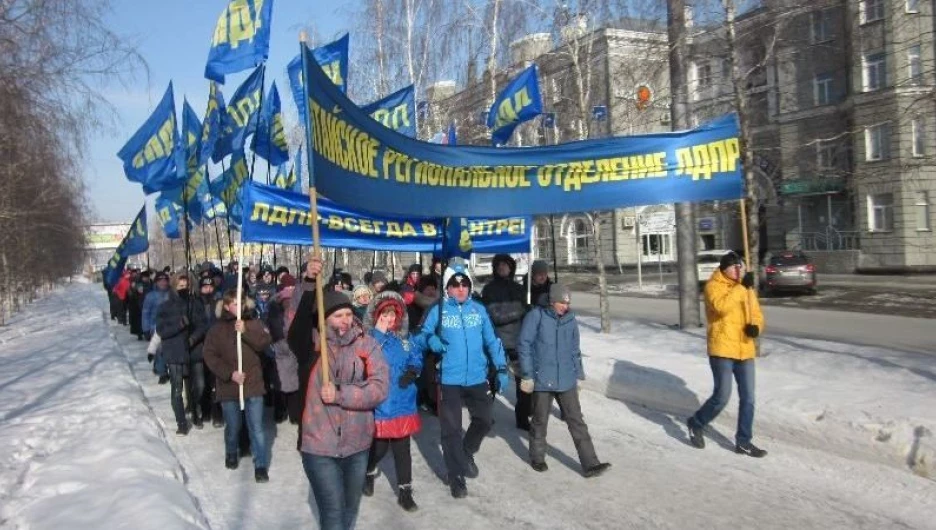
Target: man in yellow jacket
734,322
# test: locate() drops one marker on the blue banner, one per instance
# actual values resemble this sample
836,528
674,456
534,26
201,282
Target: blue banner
269,143
241,38
333,58
362,165
211,127
169,214
240,116
149,157
228,187
396,111
135,242
518,102
273,215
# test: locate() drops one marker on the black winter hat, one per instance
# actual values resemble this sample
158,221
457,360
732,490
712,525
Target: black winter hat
161,276
378,276
335,300
415,267
729,260
205,280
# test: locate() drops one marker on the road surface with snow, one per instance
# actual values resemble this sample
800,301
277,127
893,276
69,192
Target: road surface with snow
90,442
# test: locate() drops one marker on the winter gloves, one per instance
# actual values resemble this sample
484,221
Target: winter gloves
408,377
748,280
751,330
526,386
436,345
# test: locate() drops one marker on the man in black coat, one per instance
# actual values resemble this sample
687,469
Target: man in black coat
505,301
181,325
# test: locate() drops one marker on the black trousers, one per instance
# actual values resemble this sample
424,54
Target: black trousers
196,391
572,410
455,444
401,458
176,378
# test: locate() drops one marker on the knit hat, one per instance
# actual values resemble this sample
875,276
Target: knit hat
397,307
415,267
205,280
264,288
457,279
540,266
335,300
729,260
378,276
559,293
287,281
160,276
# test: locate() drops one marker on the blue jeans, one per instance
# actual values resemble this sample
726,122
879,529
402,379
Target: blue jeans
722,371
337,484
253,407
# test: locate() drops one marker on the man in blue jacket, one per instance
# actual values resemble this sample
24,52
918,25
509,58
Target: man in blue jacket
151,303
551,367
465,340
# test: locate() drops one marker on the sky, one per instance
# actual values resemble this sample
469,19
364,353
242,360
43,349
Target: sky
173,37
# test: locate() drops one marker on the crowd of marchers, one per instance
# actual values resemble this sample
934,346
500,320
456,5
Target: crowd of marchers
398,353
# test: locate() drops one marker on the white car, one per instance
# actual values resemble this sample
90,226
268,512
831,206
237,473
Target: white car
707,263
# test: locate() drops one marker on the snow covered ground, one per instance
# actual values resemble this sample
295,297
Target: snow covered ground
90,444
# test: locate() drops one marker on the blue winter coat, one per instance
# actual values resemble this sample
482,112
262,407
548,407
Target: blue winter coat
549,350
400,356
467,332
151,304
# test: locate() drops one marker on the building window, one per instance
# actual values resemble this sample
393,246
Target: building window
825,156
918,136
915,64
543,241
821,26
871,10
877,142
881,212
875,71
822,89
913,6
578,243
922,211
704,75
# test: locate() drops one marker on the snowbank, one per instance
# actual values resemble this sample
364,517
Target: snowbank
857,402
82,448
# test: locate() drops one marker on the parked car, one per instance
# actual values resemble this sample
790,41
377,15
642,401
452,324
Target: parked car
707,263
790,271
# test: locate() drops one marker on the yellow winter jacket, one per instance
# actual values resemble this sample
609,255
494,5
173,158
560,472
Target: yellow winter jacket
728,307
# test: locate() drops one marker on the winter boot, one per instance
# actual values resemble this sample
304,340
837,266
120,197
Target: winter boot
696,439
197,421
405,498
183,429
471,468
368,489
163,379
539,466
261,476
596,470
230,461
750,450
458,487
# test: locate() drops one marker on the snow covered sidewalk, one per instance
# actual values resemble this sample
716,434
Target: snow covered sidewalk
82,449
847,430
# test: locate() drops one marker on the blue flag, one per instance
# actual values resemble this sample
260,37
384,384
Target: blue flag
211,127
518,102
333,58
228,187
360,164
191,136
269,142
169,214
241,38
210,205
149,157
135,242
240,116
396,111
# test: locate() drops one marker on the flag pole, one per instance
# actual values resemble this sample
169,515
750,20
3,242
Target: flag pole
313,210
240,315
747,255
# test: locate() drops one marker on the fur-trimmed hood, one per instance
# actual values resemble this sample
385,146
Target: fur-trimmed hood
248,309
369,317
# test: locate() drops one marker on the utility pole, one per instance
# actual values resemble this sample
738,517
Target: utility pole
688,274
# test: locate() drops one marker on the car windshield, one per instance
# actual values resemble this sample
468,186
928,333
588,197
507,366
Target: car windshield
788,260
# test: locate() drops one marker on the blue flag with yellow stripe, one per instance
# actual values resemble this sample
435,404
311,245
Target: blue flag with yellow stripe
333,58
240,116
149,157
269,142
520,101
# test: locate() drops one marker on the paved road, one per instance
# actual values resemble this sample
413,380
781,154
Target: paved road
914,335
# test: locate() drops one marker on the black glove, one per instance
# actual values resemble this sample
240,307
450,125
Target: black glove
748,280
408,377
751,330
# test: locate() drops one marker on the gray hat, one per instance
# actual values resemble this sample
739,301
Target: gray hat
540,266
559,293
